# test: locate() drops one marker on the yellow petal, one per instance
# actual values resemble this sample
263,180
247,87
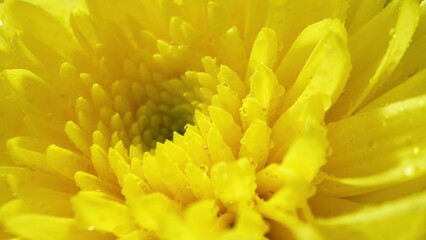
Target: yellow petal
155,211
256,143
100,163
134,187
360,12
83,30
218,19
392,28
249,225
227,76
40,227
217,147
66,162
233,182
25,177
266,90
270,179
173,152
100,97
12,122
392,192
255,16
232,50
198,181
36,92
264,51
323,207
327,40
410,88
284,17
78,137
7,193
227,98
41,25
200,218
307,164
118,164
183,33
294,122
392,151
387,221
413,61
35,199
174,179
138,235
28,151
96,211
228,128
88,182
195,146
152,173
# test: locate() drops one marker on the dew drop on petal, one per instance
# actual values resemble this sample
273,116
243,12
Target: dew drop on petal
409,171
372,143
416,150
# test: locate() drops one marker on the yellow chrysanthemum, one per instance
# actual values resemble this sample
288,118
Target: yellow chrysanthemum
194,119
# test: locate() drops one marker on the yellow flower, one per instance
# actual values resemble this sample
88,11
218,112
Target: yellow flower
192,119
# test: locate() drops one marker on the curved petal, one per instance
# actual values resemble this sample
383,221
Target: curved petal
384,221
392,28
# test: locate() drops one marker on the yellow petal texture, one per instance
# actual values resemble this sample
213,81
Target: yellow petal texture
40,227
388,219
95,211
233,182
216,120
391,155
392,39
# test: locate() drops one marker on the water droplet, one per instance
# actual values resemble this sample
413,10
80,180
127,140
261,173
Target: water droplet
205,147
409,171
372,143
329,151
416,150
91,228
253,163
5,90
203,167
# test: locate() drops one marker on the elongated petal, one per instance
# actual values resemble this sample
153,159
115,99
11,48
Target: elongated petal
233,182
96,211
40,227
387,219
391,153
392,40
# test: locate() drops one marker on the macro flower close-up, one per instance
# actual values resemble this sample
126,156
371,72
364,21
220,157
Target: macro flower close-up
212,119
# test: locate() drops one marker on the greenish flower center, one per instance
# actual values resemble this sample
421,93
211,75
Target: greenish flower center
165,109
158,121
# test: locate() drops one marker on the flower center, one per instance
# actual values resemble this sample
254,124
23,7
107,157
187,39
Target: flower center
164,110
149,96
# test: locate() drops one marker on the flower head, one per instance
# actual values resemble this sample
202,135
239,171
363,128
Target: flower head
184,119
